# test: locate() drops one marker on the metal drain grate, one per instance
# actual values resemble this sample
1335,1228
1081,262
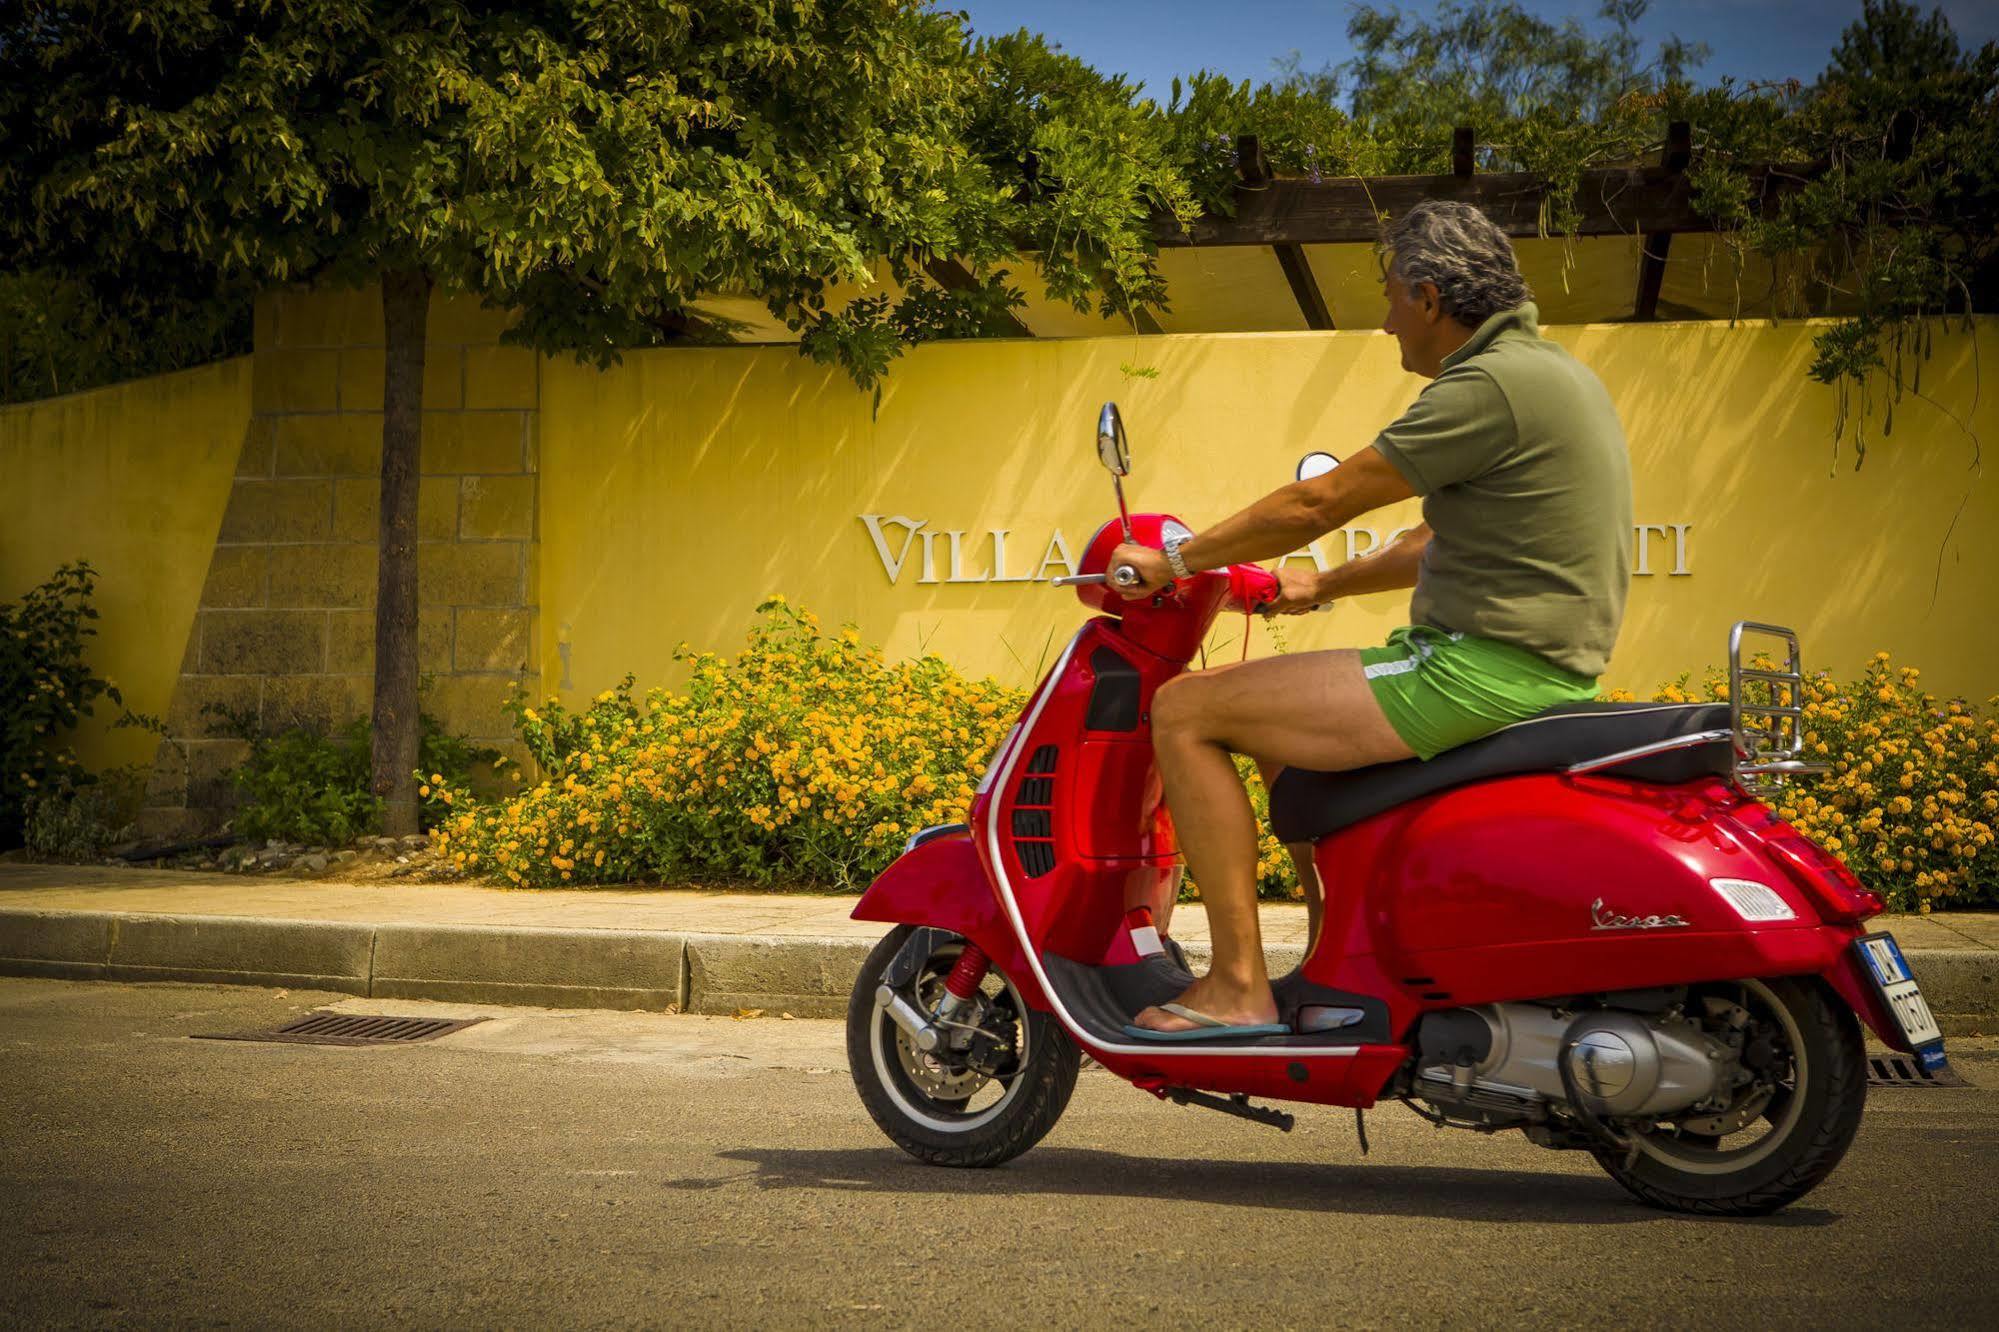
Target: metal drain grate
1907,1071
352,1029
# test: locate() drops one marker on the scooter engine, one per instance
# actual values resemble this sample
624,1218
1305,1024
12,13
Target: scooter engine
1625,1061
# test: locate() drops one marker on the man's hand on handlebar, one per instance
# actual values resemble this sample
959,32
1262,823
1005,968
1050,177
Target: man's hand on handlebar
1297,592
1153,571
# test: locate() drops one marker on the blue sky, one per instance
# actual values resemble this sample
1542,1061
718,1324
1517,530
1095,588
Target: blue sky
1155,39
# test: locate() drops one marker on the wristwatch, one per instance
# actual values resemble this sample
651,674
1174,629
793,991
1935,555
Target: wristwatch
1170,548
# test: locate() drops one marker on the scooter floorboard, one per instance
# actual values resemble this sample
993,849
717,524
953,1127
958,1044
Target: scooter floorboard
1103,999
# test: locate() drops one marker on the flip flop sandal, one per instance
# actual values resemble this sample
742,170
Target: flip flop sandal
1205,1028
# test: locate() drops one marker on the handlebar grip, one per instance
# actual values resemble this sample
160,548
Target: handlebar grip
1251,588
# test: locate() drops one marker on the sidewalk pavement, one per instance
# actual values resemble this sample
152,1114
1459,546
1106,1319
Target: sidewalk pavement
698,952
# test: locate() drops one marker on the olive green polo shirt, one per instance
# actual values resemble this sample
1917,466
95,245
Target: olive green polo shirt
1518,455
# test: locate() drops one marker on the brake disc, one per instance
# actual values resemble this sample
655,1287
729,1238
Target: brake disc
934,1077
1738,1028
944,1074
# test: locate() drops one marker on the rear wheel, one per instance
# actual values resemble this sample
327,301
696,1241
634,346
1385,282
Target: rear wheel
1786,1127
982,1097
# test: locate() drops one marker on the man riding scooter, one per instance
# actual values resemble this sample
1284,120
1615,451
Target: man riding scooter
1520,569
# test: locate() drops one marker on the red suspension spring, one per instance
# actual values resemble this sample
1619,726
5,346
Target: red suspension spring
964,979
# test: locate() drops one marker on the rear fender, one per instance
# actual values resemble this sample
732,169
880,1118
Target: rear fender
1848,977
940,883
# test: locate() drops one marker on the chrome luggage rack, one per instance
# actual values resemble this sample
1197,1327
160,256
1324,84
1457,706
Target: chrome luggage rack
1761,754
1769,732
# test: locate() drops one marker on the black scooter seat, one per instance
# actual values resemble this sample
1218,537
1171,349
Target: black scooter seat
1305,805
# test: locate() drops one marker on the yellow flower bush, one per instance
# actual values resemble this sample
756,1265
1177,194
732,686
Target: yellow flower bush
808,760
804,760
1912,801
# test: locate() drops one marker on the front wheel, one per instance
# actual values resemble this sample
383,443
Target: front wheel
1788,1124
983,1097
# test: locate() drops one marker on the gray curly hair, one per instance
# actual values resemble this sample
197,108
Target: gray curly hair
1462,252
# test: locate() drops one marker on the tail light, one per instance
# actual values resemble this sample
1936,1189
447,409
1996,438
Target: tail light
1822,876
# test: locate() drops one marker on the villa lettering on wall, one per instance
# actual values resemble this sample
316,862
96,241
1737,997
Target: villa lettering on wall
992,555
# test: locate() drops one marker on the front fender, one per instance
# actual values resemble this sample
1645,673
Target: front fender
941,883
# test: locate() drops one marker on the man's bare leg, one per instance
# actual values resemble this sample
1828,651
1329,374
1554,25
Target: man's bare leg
1310,710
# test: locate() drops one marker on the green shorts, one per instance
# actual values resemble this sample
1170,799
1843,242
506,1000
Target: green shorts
1440,689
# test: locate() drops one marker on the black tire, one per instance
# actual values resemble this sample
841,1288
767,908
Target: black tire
1828,1093
1033,1098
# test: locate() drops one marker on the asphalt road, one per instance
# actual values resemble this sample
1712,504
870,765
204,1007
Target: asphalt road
581,1169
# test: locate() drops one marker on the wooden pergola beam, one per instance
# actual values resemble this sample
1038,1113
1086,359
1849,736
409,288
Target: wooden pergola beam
952,275
1613,201
1658,244
1254,169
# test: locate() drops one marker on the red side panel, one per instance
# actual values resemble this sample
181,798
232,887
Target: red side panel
1532,886
1116,809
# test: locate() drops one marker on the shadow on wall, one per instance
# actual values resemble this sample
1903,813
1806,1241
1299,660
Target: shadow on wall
134,478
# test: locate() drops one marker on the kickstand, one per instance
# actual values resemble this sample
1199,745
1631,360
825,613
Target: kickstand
1237,1104
1360,1127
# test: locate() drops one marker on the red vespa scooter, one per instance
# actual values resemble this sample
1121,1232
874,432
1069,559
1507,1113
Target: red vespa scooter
1584,926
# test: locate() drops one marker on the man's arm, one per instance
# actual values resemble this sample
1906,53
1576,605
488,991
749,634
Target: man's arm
1281,522
1393,566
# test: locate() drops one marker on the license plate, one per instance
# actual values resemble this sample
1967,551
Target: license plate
1903,996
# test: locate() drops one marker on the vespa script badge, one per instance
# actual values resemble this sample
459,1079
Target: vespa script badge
1603,919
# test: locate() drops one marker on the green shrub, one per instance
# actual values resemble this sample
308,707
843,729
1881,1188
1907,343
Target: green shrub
76,822
306,785
49,689
302,786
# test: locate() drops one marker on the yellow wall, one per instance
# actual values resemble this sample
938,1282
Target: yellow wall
682,486
678,489
133,478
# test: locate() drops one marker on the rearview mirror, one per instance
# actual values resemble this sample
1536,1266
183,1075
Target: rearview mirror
1316,464
1112,449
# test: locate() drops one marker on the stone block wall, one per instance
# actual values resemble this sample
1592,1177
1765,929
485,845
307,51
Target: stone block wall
285,633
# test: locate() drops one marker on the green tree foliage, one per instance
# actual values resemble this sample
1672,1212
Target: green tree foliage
595,165
600,166
1894,152
1905,225
62,331
1490,64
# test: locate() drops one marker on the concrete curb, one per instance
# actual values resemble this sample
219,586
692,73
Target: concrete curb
547,968
652,970
1961,986
802,976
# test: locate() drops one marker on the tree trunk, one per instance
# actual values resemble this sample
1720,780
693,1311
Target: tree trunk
405,313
